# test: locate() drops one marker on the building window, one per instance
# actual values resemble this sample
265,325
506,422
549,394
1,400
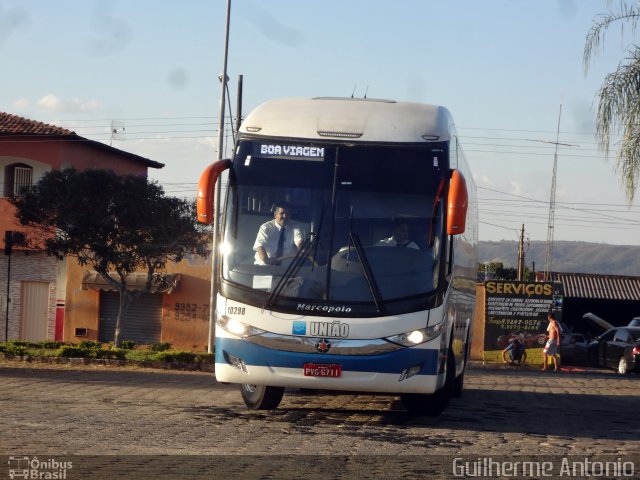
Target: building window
17,178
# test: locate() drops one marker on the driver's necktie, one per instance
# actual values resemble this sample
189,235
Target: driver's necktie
280,248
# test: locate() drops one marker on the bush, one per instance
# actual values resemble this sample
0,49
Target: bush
90,345
50,345
139,355
92,349
74,351
43,352
113,354
205,357
127,344
177,356
23,343
14,349
160,347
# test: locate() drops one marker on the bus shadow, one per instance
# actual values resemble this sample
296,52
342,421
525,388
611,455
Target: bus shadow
528,413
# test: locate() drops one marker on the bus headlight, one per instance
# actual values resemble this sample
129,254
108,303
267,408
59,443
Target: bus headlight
417,337
225,249
237,327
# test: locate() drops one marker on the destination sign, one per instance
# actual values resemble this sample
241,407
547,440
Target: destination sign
290,152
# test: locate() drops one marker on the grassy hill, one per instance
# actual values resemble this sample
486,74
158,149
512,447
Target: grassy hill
575,257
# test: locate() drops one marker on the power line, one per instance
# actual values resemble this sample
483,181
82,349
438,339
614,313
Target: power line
561,203
563,206
496,225
170,123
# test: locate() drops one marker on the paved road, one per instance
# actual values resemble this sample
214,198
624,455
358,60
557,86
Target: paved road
87,411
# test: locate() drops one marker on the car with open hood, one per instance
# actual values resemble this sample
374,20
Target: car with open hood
617,348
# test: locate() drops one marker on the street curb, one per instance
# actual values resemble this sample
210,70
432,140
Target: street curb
204,367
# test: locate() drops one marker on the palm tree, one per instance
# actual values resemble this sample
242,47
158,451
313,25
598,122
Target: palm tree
619,97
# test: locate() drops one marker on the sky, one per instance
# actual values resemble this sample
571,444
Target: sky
510,72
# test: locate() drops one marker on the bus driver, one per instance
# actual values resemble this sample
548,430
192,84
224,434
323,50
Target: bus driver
277,238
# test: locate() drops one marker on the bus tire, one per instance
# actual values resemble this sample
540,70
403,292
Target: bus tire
458,386
458,383
261,397
433,404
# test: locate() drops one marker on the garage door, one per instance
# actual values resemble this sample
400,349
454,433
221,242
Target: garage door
35,310
142,323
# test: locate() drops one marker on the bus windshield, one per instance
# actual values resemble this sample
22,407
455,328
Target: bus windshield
364,222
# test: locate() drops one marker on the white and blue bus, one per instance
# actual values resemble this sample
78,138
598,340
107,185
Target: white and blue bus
344,312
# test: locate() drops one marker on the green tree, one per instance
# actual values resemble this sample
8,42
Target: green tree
619,97
497,271
114,224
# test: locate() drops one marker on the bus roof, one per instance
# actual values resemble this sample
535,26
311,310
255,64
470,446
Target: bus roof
357,119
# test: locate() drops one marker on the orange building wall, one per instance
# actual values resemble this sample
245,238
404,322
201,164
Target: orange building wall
185,311
82,307
8,220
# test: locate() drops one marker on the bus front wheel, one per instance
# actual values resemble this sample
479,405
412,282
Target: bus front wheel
433,404
261,397
458,383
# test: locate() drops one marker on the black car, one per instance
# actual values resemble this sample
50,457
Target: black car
617,348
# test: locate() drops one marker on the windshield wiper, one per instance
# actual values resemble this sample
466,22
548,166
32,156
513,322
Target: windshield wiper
300,257
366,270
316,243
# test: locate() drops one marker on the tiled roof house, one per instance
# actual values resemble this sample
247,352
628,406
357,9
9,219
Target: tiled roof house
36,282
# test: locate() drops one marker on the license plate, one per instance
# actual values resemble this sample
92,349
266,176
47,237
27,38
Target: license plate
322,370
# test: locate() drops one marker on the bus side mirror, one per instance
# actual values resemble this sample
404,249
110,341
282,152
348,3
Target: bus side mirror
206,186
457,204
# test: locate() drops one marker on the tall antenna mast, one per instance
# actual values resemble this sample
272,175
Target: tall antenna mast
552,206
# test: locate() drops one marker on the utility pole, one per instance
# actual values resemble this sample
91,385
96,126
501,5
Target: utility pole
216,207
239,105
8,250
223,79
521,255
533,271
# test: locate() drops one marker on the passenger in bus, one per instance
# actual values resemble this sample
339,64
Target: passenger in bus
399,238
278,238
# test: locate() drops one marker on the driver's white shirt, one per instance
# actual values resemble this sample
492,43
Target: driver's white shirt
268,236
